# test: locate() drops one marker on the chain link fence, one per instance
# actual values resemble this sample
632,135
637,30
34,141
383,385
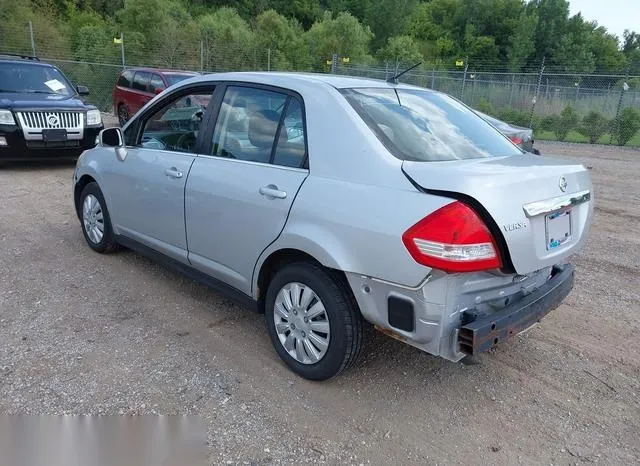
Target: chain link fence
558,105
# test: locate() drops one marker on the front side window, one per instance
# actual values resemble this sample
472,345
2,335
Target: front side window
174,78
427,126
175,126
258,125
141,81
29,78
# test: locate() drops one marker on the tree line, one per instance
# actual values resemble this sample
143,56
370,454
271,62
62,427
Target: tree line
509,35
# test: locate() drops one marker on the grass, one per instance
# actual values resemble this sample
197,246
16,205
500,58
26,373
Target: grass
574,136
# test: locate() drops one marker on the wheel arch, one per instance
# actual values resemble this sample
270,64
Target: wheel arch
82,182
277,258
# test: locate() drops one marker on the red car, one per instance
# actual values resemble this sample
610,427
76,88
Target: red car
137,86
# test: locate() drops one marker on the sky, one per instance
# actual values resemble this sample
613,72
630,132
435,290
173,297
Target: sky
615,15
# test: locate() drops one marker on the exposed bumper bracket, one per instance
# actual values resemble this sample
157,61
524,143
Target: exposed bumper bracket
481,333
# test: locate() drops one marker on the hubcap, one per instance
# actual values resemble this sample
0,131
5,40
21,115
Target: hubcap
92,218
302,323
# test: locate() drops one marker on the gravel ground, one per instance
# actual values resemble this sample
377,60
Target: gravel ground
117,334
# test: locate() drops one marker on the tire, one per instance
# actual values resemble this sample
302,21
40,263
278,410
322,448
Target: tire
341,313
123,115
91,215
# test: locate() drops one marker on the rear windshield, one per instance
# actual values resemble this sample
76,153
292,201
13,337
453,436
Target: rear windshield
33,79
176,78
427,126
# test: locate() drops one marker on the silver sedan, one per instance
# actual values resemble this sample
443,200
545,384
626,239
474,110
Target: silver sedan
329,203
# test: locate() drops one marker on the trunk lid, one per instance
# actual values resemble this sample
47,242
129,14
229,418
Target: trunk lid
527,197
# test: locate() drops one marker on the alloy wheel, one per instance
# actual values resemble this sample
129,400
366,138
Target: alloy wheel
302,323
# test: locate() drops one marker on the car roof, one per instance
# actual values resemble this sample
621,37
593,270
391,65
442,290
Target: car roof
290,79
162,70
23,61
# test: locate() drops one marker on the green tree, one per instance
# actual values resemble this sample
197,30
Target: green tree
522,42
403,49
552,22
388,18
283,37
434,25
343,35
228,41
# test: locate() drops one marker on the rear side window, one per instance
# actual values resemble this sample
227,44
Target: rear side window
426,126
141,81
125,79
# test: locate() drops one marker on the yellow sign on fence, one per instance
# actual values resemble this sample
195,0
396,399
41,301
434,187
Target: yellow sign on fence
459,62
117,40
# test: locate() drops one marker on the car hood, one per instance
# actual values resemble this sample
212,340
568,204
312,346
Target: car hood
24,100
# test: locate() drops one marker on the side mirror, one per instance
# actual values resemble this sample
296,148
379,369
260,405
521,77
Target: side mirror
158,90
113,137
83,90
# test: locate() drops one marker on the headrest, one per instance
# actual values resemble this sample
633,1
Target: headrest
263,125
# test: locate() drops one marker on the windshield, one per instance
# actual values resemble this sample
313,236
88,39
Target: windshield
32,78
427,126
176,78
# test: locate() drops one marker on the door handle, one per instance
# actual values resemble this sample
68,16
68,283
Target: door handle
173,172
272,192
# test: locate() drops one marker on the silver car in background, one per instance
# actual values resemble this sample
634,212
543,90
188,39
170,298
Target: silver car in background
327,202
519,135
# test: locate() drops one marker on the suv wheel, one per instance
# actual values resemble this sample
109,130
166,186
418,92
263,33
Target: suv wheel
313,321
95,220
123,114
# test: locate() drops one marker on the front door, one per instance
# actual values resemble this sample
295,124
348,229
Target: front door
148,185
238,197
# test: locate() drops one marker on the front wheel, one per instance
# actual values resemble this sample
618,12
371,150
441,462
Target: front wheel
95,220
313,320
123,114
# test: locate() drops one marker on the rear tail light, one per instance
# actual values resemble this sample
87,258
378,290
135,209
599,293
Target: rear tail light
516,140
453,239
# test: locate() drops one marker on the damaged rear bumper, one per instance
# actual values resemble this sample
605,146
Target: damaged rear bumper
480,333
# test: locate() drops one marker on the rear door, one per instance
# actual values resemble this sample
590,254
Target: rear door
238,197
147,187
140,94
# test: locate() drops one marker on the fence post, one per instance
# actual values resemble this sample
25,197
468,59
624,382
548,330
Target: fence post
268,59
535,98
334,63
513,81
464,78
622,90
33,42
201,56
122,49
433,78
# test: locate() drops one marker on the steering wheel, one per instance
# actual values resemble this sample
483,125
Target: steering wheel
186,141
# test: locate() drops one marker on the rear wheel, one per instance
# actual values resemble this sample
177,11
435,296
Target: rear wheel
313,320
95,220
123,114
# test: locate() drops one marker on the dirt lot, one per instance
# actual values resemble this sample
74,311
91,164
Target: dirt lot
85,333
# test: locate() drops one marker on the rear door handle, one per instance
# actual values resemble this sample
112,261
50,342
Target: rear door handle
173,172
272,192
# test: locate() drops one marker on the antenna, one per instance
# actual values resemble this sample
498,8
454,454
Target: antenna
394,79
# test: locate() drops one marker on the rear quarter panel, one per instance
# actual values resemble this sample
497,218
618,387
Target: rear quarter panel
357,228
